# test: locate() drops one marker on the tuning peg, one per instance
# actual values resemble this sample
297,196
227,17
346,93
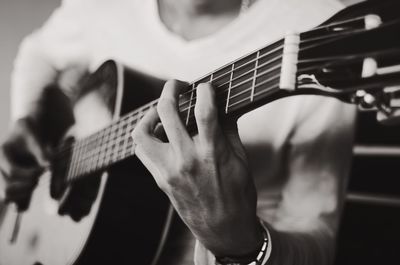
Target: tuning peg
369,100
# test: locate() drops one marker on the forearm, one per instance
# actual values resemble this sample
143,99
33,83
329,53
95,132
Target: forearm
35,96
298,248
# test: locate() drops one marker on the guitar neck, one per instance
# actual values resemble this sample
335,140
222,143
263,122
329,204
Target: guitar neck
240,87
312,62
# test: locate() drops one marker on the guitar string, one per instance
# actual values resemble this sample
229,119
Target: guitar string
323,59
117,137
144,107
319,28
137,112
236,78
95,151
232,89
274,50
123,153
134,115
88,168
212,81
338,34
126,154
302,41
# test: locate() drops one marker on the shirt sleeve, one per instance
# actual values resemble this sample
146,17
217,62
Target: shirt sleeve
61,42
319,158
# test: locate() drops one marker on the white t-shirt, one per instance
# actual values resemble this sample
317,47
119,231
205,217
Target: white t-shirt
298,148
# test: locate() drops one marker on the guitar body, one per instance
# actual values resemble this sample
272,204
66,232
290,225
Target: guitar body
127,220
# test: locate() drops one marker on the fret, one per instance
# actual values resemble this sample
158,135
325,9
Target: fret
243,75
246,63
131,149
243,93
221,76
229,89
128,128
109,148
188,104
239,103
120,146
98,164
81,157
253,85
267,75
103,147
119,142
189,110
268,65
72,166
93,153
114,150
93,148
98,149
124,149
205,79
126,136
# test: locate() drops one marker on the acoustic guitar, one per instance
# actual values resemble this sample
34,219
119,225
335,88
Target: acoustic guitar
354,57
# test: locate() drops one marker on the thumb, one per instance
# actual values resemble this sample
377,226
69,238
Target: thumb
231,132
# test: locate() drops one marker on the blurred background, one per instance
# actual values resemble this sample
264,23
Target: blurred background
17,19
369,232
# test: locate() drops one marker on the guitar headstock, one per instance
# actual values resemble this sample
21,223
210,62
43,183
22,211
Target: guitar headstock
356,61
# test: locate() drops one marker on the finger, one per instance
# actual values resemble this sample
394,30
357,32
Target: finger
231,133
37,151
20,194
24,147
19,190
17,161
169,115
148,123
80,197
206,115
16,173
230,130
151,151
148,146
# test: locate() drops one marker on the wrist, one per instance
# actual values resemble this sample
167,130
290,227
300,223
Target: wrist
257,256
236,238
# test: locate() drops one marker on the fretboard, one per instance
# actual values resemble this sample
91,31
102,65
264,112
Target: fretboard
238,85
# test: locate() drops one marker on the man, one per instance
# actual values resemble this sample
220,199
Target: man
296,152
